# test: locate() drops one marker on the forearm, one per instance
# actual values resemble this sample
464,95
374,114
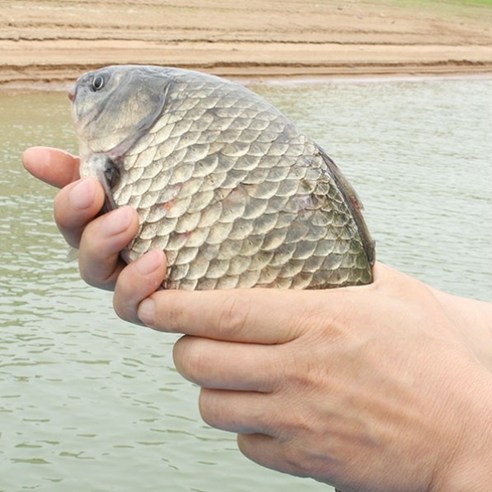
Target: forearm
473,322
470,467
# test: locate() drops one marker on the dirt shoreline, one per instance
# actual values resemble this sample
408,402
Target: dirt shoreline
50,43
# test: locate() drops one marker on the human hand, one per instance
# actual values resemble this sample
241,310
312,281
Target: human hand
356,387
100,239
366,388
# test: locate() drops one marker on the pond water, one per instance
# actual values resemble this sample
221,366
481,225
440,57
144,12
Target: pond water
91,403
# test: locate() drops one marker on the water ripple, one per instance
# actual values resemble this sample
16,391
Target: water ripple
88,402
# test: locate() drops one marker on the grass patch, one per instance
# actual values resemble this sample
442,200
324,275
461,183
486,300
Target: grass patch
475,2
435,4
474,8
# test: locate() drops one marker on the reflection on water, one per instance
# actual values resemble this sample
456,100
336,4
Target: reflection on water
88,402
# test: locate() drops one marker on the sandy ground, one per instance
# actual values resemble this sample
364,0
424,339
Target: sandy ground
52,42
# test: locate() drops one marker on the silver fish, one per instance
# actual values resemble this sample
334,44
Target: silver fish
222,181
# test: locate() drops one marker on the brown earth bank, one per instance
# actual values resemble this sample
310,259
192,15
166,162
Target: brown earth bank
52,42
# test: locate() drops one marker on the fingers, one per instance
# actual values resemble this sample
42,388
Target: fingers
75,206
239,412
267,451
136,282
284,455
100,245
254,316
227,366
53,166
264,316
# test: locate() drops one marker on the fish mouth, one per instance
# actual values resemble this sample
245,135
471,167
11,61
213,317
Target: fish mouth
71,94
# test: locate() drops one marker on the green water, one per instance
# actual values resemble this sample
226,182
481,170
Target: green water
91,403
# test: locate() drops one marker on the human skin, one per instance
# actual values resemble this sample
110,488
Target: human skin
375,388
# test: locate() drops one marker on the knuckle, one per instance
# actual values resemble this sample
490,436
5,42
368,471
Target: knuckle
234,316
295,461
174,313
120,308
246,445
252,446
264,450
67,223
98,275
208,408
126,297
86,276
190,359
62,218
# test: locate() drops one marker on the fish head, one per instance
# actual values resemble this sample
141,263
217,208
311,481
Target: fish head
114,106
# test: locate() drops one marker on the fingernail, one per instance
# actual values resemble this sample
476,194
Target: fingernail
118,220
82,194
146,312
149,262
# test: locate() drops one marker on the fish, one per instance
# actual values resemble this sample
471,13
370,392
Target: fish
223,182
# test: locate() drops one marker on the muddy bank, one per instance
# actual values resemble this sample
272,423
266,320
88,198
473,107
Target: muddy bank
51,42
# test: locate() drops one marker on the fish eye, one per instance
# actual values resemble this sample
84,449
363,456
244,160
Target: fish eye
97,83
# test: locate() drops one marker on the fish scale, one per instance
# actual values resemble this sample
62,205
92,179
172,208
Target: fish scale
222,182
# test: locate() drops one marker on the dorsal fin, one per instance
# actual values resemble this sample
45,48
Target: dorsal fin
354,204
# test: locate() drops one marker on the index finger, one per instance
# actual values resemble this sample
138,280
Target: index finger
53,166
265,316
